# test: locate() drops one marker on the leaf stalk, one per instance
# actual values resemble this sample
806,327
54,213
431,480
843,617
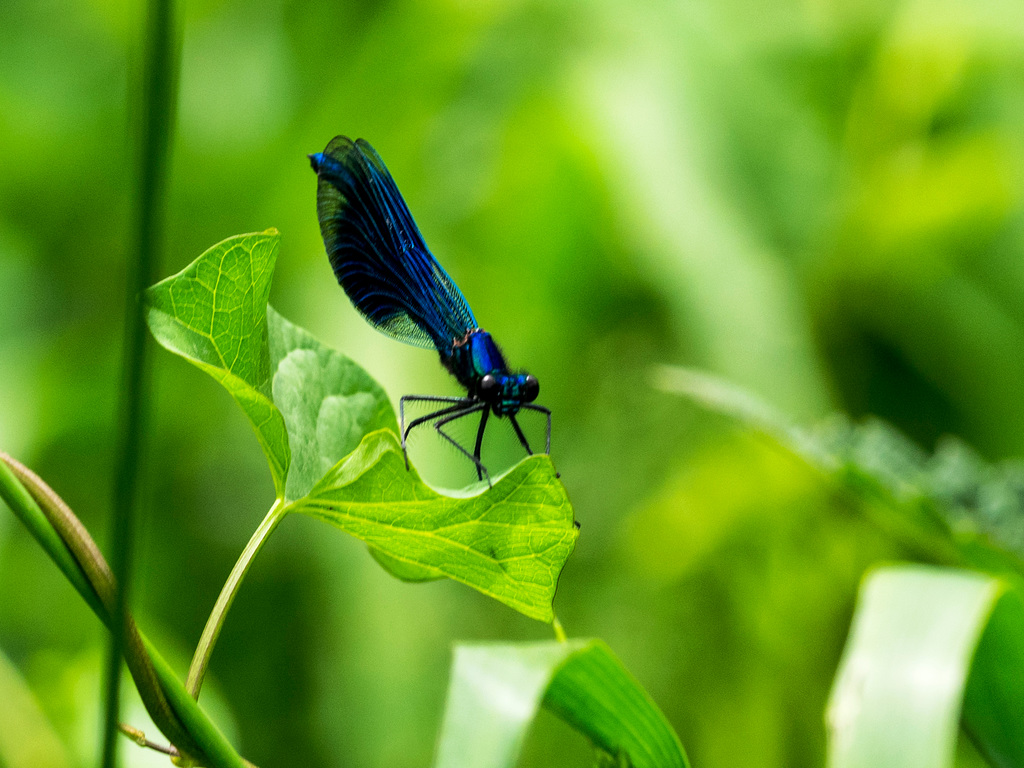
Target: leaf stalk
556,625
214,624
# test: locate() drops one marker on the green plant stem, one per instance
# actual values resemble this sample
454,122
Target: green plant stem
139,737
158,97
67,542
214,744
201,659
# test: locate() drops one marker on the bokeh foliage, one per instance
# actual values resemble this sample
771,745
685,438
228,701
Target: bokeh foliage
822,202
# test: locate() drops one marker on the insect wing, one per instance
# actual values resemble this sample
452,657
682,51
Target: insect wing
378,253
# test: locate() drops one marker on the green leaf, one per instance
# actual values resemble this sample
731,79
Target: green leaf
994,701
403,570
328,402
509,542
496,690
596,695
898,696
310,407
308,404
494,695
214,314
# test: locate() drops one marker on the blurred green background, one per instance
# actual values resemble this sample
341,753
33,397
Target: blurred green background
823,202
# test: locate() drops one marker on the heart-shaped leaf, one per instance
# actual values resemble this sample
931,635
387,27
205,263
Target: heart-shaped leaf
310,407
308,404
496,690
509,542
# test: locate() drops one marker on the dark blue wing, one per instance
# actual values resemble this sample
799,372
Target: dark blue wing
378,253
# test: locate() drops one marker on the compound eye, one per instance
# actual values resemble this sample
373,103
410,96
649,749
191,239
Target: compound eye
531,388
488,386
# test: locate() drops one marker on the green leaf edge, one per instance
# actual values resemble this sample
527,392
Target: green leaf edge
240,390
381,444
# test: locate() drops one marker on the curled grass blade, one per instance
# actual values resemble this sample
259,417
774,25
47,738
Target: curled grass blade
69,545
927,647
597,696
496,691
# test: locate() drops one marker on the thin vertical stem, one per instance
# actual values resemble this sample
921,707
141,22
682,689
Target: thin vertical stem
158,98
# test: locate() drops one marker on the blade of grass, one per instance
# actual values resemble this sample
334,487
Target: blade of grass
158,95
497,689
920,634
27,510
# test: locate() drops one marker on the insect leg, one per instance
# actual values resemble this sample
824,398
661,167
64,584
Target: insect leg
458,415
542,409
460,403
480,440
519,434
425,399
434,398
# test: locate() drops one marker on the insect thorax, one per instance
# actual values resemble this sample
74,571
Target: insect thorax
473,357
